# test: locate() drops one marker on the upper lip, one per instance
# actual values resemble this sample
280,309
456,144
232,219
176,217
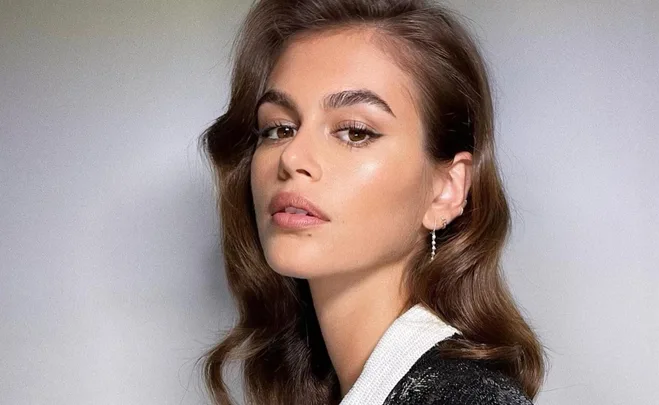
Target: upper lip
282,200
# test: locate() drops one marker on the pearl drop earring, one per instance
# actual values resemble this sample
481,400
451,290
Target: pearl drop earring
432,252
434,243
444,223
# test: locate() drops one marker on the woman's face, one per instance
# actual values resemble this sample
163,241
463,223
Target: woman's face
375,192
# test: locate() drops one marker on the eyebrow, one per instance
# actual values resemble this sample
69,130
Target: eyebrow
340,99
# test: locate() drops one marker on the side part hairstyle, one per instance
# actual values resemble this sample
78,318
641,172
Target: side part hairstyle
277,337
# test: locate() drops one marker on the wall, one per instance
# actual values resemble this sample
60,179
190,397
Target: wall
110,285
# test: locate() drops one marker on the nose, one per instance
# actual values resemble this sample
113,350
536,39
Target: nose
299,158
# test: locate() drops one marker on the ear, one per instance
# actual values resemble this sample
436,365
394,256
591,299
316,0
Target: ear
450,187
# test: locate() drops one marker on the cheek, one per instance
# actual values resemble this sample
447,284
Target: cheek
385,193
259,169
379,205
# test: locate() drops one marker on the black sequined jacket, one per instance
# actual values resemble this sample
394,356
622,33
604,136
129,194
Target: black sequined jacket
434,380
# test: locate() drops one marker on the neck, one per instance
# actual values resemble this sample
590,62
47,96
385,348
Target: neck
354,310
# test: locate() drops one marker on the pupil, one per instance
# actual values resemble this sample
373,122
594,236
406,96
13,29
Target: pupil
283,131
353,134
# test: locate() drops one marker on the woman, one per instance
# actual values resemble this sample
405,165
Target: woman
363,217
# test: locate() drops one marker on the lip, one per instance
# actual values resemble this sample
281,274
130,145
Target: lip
295,221
282,200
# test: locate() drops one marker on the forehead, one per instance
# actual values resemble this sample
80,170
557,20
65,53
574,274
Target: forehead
316,64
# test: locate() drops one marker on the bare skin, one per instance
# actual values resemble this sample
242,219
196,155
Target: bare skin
381,198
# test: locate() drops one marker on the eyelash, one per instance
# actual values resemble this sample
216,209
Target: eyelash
350,125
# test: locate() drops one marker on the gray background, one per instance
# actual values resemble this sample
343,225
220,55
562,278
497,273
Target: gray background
110,278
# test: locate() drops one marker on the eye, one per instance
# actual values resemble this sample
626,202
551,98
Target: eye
356,134
352,133
277,131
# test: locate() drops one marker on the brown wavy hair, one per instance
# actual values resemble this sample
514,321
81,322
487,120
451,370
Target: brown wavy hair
277,337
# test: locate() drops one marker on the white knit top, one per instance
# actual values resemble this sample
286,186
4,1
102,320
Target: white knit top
403,343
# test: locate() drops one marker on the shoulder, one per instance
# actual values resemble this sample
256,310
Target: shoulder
434,380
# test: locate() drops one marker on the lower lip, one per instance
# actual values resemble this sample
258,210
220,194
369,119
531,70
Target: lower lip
295,221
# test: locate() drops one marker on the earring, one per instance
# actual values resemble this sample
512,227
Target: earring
462,208
432,251
434,243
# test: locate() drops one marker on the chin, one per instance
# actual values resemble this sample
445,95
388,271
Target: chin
294,270
294,262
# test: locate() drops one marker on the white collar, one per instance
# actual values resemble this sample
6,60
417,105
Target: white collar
402,344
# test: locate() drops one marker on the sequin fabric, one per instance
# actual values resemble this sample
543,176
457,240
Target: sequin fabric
434,380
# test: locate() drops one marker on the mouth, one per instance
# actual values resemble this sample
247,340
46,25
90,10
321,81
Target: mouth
293,204
298,219
296,211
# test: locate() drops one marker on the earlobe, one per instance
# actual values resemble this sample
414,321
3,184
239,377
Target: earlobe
437,213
